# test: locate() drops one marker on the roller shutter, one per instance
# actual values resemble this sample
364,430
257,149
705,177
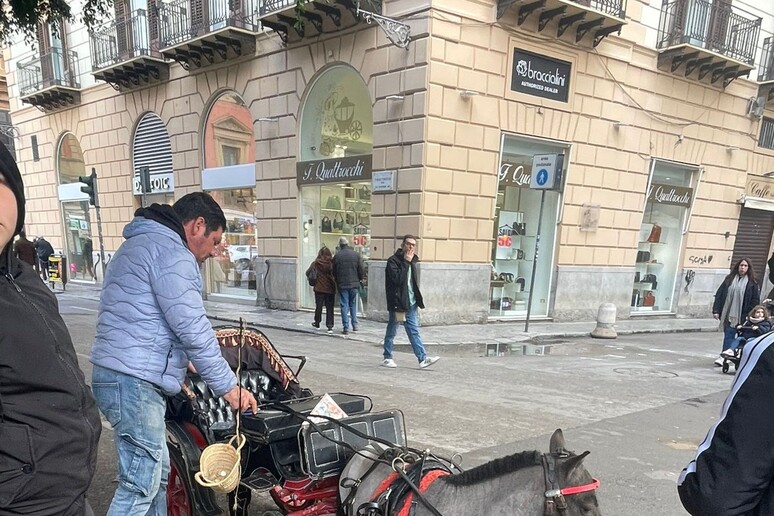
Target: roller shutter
152,146
753,239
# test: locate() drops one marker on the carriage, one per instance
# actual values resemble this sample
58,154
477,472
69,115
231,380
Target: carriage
313,466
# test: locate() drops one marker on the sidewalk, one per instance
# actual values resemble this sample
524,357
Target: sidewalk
497,335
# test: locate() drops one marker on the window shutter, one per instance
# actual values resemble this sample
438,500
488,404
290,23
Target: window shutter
753,239
153,26
123,27
151,146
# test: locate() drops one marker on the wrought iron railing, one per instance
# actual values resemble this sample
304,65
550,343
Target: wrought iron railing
55,67
615,8
123,39
183,20
375,6
714,26
766,67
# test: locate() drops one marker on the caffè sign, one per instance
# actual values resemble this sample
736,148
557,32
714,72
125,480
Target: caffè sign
670,194
540,76
351,169
760,187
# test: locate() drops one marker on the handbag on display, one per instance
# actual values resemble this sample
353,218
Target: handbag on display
333,202
338,222
364,217
326,226
351,216
649,299
643,256
651,278
364,193
655,234
637,277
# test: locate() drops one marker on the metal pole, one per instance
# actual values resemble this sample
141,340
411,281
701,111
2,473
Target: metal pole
534,260
99,225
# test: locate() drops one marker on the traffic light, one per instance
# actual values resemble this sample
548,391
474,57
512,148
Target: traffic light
90,186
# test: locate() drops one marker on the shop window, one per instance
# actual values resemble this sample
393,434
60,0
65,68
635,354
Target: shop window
229,153
766,139
336,133
669,199
515,231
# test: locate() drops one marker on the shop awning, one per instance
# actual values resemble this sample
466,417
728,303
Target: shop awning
758,203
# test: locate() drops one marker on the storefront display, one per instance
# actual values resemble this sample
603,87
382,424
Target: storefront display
516,222
229,176
669,199
334,170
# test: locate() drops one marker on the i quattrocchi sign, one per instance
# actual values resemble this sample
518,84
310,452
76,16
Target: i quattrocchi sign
671,194
351,169
540,76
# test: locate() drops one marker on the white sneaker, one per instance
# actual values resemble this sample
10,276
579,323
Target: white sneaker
428,361
729,353
718,362
388,362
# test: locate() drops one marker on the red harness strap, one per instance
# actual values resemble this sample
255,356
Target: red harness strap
424,484
428,479
581,489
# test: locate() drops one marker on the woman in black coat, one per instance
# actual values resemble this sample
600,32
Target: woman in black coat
736,296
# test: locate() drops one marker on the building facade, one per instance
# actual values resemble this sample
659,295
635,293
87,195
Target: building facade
654,120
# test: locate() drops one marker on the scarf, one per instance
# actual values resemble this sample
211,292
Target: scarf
732,308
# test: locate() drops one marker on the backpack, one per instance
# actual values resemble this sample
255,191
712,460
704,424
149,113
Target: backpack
311,275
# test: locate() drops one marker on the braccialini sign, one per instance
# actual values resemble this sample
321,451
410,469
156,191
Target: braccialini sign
540,76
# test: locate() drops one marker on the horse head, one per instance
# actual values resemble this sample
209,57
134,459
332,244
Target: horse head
572,489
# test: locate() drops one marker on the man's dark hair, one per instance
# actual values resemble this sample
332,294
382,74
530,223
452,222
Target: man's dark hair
22,234
199,204
412,237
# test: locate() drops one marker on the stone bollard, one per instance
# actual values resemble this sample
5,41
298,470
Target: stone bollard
605,322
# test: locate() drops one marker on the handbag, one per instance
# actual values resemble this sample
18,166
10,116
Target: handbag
351,216
651,278
311,275
333,203
649,299
326,226
364,193
363,217
338,222
643,256
655,234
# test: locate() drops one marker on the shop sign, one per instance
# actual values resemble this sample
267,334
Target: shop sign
671,194
350,169
159,183
762,188
512,174
540,76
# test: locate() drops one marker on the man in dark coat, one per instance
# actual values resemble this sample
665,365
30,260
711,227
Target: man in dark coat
24,250
49,422
44,250
401,285
349,272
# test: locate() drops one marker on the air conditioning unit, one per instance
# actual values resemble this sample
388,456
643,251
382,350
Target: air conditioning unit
755,107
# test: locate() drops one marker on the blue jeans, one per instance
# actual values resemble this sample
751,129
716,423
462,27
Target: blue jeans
135,409
348,299
729,335
412,331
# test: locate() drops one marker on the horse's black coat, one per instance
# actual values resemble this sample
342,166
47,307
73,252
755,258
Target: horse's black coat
495,468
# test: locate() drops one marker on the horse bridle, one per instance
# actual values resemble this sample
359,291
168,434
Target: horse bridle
555,493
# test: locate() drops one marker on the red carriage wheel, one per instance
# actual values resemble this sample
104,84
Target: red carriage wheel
178,492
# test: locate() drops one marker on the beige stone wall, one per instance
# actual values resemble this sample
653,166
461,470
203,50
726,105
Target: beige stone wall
662,116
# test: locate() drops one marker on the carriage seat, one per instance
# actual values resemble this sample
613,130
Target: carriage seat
215,410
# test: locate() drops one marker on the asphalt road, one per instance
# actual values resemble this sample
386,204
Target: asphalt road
641,403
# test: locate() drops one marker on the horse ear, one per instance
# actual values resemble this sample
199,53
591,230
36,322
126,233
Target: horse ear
573,462
557,442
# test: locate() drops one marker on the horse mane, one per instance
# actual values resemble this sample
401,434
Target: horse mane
495,468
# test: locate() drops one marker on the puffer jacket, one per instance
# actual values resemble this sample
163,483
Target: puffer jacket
152,320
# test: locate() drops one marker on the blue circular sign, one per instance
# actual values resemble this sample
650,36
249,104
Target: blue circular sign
542,177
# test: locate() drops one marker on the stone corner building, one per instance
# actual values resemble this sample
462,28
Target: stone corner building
382,118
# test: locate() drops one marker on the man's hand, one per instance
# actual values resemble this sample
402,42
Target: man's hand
248,400
716,316
409,254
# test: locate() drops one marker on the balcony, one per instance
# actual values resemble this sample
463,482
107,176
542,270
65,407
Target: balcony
50,81
199,33
596,19
714,40
322,17
766,71
125,52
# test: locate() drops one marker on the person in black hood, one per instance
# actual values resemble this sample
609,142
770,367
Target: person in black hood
49,422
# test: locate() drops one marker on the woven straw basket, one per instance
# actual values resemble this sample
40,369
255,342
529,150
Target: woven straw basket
220,465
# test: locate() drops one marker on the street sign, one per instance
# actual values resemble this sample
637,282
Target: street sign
382,182
547,172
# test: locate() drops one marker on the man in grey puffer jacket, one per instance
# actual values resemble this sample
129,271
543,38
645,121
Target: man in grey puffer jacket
151,323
